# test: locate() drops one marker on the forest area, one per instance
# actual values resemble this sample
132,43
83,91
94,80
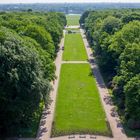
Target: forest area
28,45
114,36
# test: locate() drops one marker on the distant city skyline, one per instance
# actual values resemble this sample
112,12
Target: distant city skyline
68,1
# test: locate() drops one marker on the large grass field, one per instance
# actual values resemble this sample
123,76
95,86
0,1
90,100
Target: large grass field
73,20
74,48
78,106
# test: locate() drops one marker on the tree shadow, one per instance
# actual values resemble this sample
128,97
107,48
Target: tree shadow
114,112
41,132
91,61
108,100
42,126
136,138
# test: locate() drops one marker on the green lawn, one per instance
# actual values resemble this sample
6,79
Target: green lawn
72,29
78,106
74,48
73,20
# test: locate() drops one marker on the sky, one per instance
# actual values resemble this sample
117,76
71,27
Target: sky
63,1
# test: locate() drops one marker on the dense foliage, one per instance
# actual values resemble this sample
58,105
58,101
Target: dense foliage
115,38
27,51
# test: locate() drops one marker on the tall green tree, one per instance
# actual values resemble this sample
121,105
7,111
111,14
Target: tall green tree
22,85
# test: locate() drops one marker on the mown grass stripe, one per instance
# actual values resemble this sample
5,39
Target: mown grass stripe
78,106
74,49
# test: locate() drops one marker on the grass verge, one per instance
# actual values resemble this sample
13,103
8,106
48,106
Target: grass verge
74,48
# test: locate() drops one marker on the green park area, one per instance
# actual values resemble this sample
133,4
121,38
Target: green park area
78,106
73,19
74,48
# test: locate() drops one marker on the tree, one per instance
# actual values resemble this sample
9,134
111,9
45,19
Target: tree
111,24
29,10
84,16
132,103
42,37
22,86
114,37
130,17
27,53
47,63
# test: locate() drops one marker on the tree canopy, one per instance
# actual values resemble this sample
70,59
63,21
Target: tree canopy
27,52
114,36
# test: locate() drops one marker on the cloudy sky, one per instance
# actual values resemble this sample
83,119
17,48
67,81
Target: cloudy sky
53,1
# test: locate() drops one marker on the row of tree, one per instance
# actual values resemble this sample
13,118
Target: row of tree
115,38
28,45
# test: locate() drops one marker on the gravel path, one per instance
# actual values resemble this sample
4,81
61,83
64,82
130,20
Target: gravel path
82,137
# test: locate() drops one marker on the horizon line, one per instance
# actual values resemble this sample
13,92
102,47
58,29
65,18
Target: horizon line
69,2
